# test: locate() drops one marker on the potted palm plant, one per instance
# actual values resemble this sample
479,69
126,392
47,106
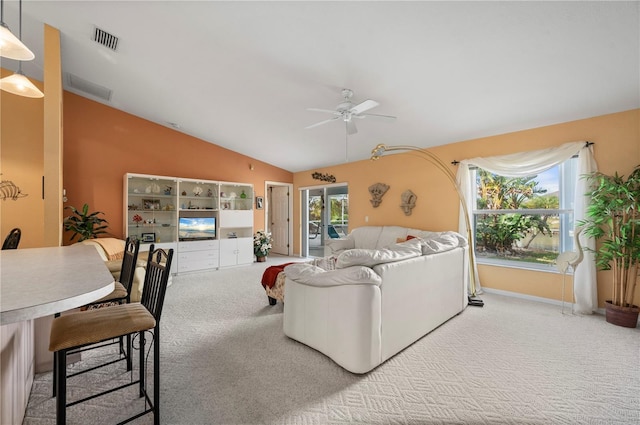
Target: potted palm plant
613,219
84,224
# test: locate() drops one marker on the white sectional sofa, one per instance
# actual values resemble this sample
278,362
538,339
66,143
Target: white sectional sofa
385,293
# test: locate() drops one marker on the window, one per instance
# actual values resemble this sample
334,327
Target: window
524,221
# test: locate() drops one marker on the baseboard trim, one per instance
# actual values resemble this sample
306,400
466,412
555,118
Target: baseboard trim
526,297
600,311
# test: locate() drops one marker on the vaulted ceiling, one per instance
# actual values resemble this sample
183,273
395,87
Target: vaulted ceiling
242,74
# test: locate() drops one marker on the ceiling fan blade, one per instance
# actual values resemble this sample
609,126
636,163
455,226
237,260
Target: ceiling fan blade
322,122
351,127
364,106
385,117
323,110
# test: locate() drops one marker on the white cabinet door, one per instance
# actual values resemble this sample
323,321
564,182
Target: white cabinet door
228,252
235,251
236,218
245,250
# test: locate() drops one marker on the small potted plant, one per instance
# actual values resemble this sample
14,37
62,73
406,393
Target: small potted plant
613,218
261,245
84,224
137,219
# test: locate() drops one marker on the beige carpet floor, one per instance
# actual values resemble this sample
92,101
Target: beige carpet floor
225,360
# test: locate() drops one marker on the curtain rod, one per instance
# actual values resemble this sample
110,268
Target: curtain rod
587,144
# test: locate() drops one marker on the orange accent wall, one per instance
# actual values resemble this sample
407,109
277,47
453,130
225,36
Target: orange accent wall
22,162
102,144
617,148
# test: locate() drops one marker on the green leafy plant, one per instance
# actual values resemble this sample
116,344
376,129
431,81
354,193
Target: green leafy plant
613,218
84,224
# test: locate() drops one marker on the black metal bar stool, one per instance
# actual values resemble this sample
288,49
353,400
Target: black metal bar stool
84,328
121,294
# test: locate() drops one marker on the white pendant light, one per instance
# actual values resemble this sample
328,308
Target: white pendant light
17,83
11,46
20,85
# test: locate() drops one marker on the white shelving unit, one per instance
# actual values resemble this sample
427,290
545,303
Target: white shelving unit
150,213
236,224
159,202
198,195
198,200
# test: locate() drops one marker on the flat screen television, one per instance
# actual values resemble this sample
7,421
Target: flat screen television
196,228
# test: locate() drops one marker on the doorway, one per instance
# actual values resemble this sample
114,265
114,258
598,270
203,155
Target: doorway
325,217
278,211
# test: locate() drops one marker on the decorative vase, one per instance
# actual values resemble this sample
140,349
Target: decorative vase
261,259
622,316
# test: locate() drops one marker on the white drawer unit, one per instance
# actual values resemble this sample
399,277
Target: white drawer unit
198,255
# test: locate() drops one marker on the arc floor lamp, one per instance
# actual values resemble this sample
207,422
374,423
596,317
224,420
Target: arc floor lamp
381,149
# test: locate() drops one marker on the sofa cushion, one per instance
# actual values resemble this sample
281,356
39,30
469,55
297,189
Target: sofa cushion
339,245
441,242
315,276
376,237
372,257
365,237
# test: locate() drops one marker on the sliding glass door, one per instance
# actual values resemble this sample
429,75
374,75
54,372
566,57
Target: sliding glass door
326,216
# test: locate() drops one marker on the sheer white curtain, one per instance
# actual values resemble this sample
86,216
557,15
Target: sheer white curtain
525,164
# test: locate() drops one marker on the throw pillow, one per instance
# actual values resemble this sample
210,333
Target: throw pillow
408,238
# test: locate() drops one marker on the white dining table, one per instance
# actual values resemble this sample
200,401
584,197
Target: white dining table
37,282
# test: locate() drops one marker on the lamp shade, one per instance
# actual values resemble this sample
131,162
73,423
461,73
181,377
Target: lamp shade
20,85
11,47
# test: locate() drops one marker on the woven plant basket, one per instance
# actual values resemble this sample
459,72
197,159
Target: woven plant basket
622,316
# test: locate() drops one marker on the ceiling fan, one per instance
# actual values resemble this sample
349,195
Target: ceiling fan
347,111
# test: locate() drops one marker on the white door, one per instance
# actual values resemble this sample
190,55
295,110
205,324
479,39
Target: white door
279,219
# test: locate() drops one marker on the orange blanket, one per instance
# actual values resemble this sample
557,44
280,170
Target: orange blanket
112,247
271,274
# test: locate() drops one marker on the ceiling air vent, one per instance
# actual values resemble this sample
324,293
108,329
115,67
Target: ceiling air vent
88,87
107,40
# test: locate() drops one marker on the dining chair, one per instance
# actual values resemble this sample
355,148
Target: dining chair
13,239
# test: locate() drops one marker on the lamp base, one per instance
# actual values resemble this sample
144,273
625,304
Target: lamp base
475,301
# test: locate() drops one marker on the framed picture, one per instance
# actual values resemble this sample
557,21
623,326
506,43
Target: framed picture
259,202
151,204
148,237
